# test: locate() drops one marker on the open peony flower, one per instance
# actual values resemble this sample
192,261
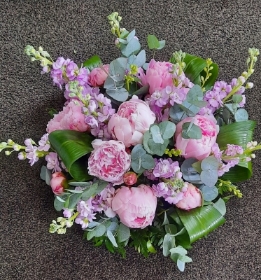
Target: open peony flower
109,161
191,198
197,148
71,117
157,76
132,120
58,183
99,75
135,206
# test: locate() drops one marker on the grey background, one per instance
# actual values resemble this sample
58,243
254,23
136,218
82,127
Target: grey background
222,30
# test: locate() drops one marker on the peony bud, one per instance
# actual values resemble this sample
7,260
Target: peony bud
130,178
58,183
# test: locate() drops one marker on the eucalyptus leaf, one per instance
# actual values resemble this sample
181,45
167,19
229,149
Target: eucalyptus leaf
156,134
209,177
132,47
241,115
220,206
162,44
168,243
147,162
167,129
177,114
74,199
119,94
237,98
209,193
191,131
188,171
210,163
58,203
112,238
46,175
123,233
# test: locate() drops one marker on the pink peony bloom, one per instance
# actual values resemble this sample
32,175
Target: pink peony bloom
197,148
58,183
132,120
71,117
157,76
109,161
191,199
135,206
99,75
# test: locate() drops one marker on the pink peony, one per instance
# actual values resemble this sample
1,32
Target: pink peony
197,148
135,206
99,75
132,120
58,183
192,198
157,76
71,117
109,161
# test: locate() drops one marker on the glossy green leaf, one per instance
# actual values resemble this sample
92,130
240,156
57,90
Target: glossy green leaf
72,146
239,133
92,62
194,66
200,221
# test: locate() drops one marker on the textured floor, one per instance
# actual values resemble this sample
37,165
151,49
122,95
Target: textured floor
222,30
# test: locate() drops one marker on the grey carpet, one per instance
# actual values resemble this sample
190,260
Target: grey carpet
220,29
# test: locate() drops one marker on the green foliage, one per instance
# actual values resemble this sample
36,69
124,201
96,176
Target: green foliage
154,43
197,67
191,131
72,146
46,175
140,160
92,62
200,221
238,133
156,140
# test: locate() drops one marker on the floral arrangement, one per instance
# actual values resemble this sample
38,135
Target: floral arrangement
143,154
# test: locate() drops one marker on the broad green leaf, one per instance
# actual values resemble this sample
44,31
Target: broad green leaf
194,66
200,221
92,62
153,42
72,146
238,133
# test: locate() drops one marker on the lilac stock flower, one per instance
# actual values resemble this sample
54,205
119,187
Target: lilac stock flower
44,144
172,192
166,168
31,151
53,162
